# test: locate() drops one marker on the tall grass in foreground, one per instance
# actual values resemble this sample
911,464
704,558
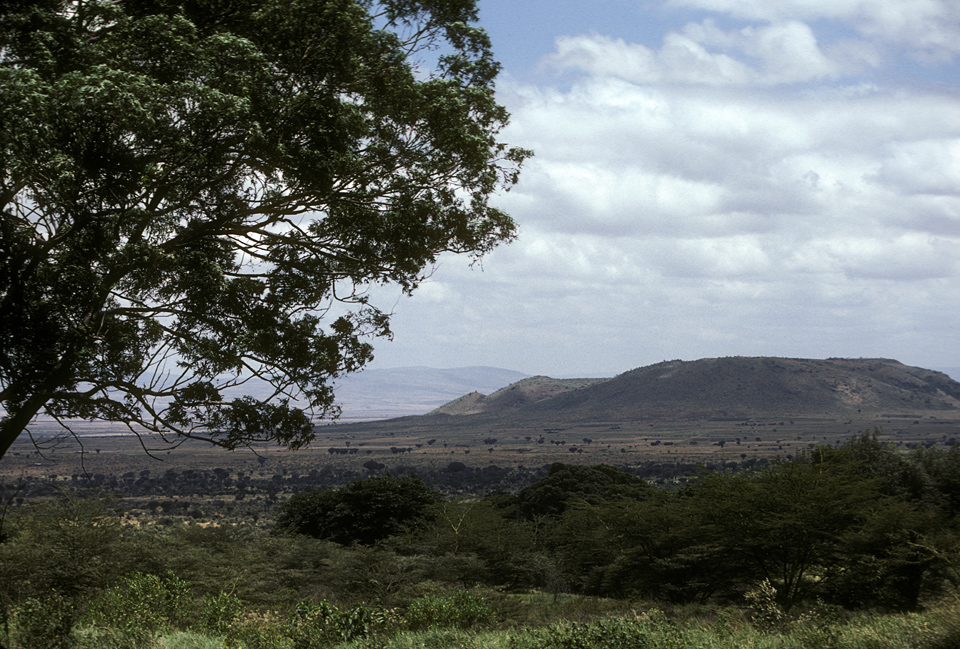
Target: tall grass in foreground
937,629
465,620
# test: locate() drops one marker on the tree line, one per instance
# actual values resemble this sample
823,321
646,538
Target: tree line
861,525
270,481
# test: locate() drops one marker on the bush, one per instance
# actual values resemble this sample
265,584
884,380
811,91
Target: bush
364,511
220,611
323,624
143,603
260,630
44,622
765,612
462,610
72,544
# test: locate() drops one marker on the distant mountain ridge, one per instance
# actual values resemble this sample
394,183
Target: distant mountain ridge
731,387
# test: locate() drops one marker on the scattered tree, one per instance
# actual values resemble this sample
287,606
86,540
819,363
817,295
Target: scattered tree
364,511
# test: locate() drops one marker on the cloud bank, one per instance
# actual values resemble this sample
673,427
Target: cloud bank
769,179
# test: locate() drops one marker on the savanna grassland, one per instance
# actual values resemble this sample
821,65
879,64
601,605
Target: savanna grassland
849,544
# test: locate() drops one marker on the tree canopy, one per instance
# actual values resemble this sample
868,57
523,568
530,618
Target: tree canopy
363,511
199,193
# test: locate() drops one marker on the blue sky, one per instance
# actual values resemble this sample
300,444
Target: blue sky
712,178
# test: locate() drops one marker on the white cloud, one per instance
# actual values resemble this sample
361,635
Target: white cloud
437,291
778,45
923,167
736,189
931,28
678,221
773,54
785,51
907,257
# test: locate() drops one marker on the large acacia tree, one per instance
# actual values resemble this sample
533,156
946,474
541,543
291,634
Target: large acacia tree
196,193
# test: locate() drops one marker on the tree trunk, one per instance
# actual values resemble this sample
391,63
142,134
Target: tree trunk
11,426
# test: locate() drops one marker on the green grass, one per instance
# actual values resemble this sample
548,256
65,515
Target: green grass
649,628
938,628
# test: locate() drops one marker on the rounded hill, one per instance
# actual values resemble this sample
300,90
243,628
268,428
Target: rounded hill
742,387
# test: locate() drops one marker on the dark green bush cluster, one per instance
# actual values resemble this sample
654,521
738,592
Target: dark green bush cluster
859,525
364,511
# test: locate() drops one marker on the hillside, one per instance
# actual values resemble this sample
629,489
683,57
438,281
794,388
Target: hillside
726,388
524,392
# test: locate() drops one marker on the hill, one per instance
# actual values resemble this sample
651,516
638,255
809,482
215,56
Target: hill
726,388
522,393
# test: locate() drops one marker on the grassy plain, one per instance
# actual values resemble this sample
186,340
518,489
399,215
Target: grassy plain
206,532
431,443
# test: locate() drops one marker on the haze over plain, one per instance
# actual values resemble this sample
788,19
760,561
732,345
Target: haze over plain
712,178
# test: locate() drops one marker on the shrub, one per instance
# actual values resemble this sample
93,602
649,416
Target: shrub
44,622
260,630
143,603
463,610
220,611
765,612
323,624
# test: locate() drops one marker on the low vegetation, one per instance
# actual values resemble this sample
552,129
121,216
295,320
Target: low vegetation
850,546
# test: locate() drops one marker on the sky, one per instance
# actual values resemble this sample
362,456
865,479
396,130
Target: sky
711,178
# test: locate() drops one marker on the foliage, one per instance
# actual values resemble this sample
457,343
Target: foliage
883,560
869,457
480,542
434,615
462,609
143,603
260,630
45,621
188,192
567,483
858,526
784,521
804,539
219,612
649,629
69,543
323,624
765,613
942,466
437,638
364,511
